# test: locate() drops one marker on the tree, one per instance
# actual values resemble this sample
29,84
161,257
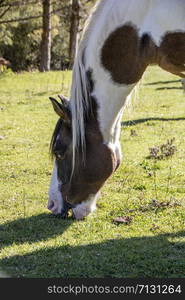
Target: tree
74,29
25,32
46,37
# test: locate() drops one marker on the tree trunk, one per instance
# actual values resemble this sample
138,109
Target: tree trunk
73,41
46,37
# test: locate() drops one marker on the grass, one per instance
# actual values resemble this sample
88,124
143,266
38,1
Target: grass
148,191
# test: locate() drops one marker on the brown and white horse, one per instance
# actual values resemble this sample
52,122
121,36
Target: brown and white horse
121,38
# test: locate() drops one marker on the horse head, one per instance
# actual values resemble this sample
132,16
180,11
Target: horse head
77,185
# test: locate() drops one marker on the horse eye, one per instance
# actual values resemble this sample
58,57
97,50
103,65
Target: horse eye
59,156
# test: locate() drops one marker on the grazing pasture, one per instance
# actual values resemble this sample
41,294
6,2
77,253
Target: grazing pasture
138,229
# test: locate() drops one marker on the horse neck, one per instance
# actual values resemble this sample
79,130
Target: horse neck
111,101
110,96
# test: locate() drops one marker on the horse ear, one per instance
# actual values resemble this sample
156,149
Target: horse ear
61,110
63,100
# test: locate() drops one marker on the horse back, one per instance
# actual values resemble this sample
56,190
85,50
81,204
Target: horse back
124,37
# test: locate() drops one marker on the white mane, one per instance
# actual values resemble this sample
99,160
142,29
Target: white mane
80,91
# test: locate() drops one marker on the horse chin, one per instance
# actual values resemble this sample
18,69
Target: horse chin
82,210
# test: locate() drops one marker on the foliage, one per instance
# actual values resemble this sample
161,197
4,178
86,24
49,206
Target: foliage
165,150
145,196
24,49
20,41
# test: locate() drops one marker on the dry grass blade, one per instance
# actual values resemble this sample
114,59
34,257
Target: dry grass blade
123,220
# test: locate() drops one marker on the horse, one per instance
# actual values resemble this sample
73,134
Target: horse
120,40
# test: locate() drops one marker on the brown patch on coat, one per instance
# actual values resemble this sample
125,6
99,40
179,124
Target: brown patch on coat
172,53
126,55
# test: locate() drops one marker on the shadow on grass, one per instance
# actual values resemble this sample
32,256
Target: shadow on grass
47,92
139,121
169,88
33,229
158,256
163,82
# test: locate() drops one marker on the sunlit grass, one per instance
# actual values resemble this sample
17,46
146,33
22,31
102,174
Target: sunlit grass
150,191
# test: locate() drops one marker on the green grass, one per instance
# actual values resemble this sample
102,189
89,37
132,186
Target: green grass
152,192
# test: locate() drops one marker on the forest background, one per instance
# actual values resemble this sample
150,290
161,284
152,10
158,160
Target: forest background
41,34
